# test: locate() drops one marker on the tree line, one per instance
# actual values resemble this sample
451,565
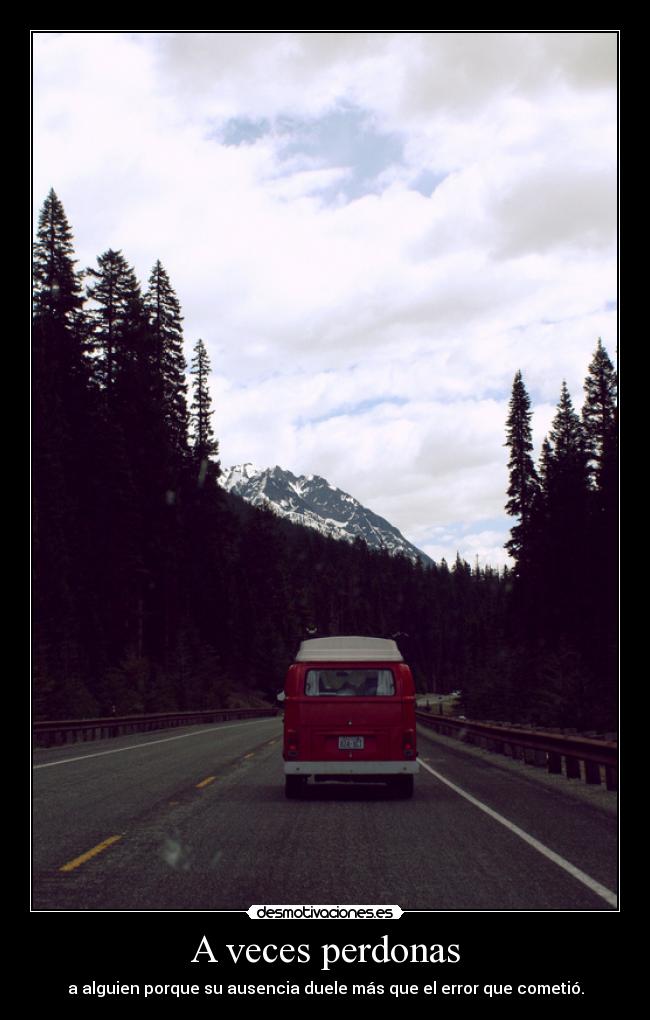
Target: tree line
560,661
155,589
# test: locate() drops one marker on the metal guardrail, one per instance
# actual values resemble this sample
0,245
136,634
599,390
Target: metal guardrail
589,758
63,731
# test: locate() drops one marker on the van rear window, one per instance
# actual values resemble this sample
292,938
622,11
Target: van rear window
360,683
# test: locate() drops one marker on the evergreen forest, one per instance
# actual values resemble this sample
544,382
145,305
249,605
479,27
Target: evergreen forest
154,589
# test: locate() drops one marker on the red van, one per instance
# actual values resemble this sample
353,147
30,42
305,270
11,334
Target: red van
349,715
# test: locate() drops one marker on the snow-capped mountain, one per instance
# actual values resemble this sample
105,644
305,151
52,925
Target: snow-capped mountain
313,502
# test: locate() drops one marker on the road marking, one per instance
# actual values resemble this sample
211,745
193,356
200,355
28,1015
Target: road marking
205,782
586,880
251,755
149,743
71,865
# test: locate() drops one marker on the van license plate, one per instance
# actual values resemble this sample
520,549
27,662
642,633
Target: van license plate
350,743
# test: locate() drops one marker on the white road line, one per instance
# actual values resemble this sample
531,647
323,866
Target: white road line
586,880
149,743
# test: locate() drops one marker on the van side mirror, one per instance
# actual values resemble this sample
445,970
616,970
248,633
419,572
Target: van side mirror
281,696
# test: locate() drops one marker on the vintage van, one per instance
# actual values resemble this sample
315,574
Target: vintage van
349,715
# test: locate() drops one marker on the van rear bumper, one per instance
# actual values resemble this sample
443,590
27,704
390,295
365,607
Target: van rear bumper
350,768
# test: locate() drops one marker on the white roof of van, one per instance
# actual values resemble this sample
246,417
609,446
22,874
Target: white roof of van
349,649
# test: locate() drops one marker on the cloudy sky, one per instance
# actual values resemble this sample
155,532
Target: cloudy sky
372,232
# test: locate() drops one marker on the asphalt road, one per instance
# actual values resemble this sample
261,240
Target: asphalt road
198,820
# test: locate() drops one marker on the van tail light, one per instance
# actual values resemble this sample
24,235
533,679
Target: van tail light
408,744
292,744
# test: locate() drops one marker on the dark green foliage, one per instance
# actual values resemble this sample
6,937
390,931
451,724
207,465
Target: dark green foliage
204,445
166,352
567,465
563,562
61,422
523,487
600,425
118,324
558,663
57,286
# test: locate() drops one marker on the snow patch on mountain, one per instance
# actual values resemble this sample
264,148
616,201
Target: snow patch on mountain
313,502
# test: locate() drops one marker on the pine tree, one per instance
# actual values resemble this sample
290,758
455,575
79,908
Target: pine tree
566,455
59,333
204,445
62,421
118,319
566,508
565,575
599,417
57,286
524,485
126,482
166,334
599,420
564,470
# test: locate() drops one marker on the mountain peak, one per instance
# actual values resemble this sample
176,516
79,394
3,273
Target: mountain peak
313,502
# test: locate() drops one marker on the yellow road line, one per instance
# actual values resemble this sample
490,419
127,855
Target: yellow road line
204,782
71,865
